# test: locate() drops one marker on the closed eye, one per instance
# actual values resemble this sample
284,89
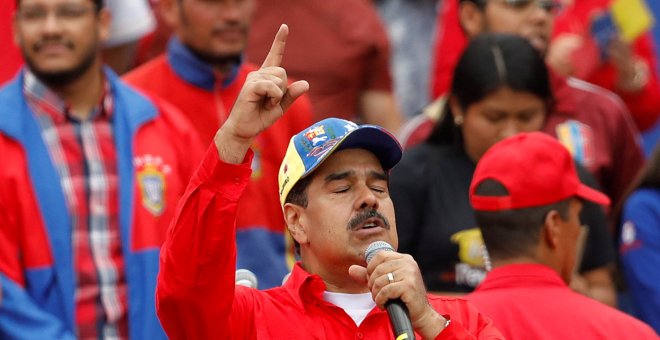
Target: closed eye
340,190
494,118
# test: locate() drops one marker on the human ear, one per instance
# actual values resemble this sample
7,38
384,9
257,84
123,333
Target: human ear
551,229
471,18
456,111
169,10
105,20
294,218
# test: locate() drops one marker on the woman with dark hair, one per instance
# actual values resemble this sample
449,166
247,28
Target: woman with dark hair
500,88
640,242
495,69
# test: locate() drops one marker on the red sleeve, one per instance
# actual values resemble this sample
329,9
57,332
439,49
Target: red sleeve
195,290
466,322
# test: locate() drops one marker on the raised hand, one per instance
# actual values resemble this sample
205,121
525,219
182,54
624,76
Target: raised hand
264,98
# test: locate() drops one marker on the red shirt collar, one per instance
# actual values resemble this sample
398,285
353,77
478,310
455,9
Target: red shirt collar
521,275
305,287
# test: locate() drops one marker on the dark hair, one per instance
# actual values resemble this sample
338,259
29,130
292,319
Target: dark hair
298,196
492,61
98,4
513,233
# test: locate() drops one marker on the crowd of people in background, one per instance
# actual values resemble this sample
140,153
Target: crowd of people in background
107,108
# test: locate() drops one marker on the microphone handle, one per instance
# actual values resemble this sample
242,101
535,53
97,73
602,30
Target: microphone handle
398,314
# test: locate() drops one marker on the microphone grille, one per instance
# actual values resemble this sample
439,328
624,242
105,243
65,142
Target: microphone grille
246,278
375,247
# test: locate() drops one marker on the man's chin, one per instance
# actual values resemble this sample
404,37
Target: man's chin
58,76
217,58
55,78
225,58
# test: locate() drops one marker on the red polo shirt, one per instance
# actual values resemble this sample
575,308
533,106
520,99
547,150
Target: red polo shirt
198,299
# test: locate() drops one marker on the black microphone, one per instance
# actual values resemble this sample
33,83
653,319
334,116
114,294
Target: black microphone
396,309
246,278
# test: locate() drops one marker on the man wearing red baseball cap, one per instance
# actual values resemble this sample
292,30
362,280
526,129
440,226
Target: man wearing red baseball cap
527,198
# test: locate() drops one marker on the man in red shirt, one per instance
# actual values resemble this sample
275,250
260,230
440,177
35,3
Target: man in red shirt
530,225
334,195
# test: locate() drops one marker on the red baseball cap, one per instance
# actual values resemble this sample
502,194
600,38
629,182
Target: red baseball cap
535,169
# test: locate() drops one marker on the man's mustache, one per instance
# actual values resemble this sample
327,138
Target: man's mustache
230,27
365,215
41,43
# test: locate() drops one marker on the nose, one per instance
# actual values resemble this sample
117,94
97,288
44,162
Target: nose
510,129
51,23
230,11
540,15
366,199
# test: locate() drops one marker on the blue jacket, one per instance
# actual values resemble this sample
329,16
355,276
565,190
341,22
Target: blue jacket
36,268
640,253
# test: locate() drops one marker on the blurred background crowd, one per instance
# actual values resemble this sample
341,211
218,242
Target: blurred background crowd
583,71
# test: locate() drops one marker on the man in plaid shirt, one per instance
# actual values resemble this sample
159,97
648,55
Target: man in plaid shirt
91,173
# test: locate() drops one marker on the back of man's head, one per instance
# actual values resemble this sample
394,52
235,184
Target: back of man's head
516,233
516,184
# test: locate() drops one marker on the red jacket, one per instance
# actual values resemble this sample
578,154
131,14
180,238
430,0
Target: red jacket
197,297
156,155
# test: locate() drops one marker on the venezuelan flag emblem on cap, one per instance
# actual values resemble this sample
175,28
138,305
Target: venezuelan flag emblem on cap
310,147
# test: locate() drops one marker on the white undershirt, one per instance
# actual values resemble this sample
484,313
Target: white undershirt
357,306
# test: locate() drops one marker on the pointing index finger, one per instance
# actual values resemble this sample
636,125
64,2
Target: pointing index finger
274,57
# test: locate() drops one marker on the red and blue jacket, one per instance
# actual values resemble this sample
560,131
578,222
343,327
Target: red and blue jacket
154,146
